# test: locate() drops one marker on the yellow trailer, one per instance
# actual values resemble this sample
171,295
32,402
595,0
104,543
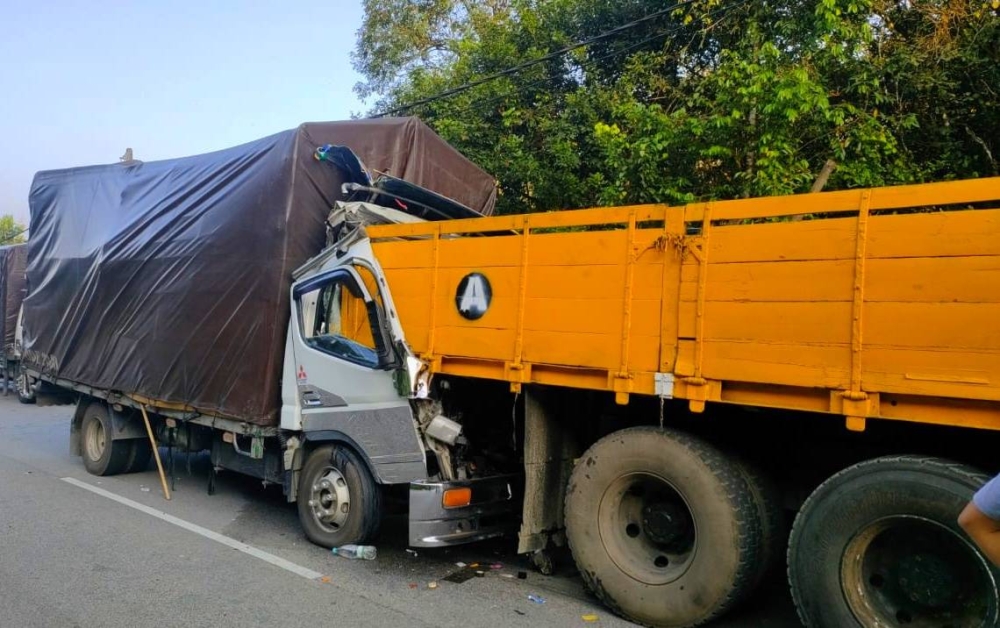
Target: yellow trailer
876,304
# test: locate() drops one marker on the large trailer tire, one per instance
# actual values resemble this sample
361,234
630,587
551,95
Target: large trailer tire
663,527
339,501
140,452
771,514
24,392
879,544
101,454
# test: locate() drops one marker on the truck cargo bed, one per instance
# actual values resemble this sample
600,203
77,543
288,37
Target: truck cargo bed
880,303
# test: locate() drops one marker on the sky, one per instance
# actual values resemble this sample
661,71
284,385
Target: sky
82,81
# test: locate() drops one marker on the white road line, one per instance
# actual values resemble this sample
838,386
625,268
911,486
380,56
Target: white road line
277,561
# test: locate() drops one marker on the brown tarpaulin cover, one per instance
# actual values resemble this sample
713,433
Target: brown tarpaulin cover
171,279
12,262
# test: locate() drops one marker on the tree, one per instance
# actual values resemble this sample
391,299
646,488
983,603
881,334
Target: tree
697,100
11,231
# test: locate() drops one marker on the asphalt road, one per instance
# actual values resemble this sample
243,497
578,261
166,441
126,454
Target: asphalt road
73,557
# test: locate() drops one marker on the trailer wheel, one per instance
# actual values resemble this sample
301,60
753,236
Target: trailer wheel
773,528
101,454
138,457
338,499
24,392
662,526
878,544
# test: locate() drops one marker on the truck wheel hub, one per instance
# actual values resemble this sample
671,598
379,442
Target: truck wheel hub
665,523
330,499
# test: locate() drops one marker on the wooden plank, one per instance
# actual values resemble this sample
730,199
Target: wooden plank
593,281
470,342
943,326
895,197
417,254
591,316
958,374
795,323
471,253
588,350
782,241
778,364
599,216
934,279
957,233
815,280
588,247
772,206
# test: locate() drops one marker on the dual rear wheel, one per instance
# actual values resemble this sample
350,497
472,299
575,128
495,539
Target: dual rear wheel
668,531
103,455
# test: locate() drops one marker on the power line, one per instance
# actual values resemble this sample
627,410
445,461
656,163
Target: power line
527,64
592,62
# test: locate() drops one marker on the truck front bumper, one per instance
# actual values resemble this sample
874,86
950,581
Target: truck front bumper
494,510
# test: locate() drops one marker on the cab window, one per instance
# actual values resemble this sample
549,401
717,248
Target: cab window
336,320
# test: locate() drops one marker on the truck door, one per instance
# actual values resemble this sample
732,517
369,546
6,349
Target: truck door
344,362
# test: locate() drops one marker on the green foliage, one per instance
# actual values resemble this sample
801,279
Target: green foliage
716,99
11,231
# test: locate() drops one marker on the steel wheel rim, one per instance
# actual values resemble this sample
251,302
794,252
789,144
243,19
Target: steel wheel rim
648,528
330,499
95,440
915,572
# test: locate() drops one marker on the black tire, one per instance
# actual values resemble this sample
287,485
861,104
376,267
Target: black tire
662,526
771,515
24,394
344,471
101,454
139,454
879,543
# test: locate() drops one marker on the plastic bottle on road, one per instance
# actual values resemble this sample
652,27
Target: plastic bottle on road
367,552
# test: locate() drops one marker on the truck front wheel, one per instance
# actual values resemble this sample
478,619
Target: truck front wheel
878,544
663,527
339,501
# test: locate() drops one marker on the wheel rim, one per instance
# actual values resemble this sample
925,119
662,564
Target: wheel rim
96,440
647,528
330,499
914,572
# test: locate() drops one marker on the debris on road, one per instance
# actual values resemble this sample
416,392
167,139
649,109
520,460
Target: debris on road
496,566
461,575
537,599
522,575
366,552
432,585
590,618
412,552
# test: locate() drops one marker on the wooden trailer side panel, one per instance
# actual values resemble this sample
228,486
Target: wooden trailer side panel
868,310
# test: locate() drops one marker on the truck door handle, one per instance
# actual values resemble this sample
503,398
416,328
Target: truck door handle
311,398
